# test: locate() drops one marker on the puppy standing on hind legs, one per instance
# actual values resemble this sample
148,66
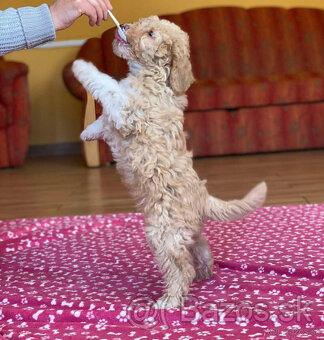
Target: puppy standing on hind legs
142,122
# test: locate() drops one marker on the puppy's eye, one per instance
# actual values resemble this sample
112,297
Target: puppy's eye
151,34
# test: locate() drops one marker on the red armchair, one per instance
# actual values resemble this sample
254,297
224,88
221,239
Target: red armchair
260,79
14,113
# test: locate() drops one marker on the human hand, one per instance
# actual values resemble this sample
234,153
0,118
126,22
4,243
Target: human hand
65,12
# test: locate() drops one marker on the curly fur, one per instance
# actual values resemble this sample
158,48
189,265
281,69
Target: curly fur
142,121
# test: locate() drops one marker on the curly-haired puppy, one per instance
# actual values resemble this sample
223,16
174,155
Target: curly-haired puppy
142,122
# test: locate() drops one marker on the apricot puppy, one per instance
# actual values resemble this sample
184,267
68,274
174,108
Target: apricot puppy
142,122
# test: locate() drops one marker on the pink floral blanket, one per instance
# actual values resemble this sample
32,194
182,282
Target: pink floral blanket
94,277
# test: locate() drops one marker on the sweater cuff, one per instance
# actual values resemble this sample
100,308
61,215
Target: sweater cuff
37,25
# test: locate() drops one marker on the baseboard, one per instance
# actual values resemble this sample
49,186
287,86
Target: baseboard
63,43
61,149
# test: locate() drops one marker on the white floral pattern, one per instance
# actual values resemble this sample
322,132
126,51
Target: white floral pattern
94,277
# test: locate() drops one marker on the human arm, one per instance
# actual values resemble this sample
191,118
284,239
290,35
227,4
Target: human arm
28,27
25,27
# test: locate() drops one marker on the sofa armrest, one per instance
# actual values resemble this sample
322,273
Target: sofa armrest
73,85
12,69
14,113
9,71
91,148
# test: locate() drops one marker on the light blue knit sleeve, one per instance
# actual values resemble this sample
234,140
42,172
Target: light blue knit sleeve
25,27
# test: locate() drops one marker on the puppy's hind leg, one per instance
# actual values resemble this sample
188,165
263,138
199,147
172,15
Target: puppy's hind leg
203,259
175,261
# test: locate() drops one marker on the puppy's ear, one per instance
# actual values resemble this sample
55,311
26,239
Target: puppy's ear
181,76
163,50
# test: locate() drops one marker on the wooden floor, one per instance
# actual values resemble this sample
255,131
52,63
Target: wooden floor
64,186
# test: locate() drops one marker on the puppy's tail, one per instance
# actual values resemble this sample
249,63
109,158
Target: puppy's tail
222,211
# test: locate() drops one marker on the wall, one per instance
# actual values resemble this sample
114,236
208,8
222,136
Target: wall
56,115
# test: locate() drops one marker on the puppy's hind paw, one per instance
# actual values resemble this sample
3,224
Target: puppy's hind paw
203,273
167,301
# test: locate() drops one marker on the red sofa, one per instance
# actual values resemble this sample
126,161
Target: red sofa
14,113
260,79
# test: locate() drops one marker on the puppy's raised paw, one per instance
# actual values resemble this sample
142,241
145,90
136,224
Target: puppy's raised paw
81,69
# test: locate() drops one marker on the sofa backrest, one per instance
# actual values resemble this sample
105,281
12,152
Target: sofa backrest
233,42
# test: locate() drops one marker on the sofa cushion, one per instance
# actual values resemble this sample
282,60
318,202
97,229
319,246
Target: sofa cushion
257,129
256,91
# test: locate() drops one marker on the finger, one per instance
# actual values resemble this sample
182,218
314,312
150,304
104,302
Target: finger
100,16
89,10
100,11
104,9
109,5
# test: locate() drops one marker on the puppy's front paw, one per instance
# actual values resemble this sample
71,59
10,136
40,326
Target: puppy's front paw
90,133
86,136
81,69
